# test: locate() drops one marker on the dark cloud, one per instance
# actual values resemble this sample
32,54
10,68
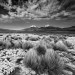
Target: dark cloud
38,9
67,4
3,11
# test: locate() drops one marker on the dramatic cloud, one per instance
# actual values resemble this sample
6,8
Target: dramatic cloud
38,9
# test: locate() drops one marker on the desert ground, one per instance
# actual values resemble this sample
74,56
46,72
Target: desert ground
32,54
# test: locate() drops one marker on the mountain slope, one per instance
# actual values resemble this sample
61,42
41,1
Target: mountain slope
49,29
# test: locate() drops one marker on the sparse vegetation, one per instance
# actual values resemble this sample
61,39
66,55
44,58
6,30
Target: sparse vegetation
17,43
47,55
27,45
41,59
60,46
2,45
32,60
40,49
68,44
33,38
53,62
16,71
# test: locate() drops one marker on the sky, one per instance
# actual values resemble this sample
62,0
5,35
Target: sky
21,24
62,15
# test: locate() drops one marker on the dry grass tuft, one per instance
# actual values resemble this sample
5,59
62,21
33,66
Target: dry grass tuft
60,46
27,45
53,62
2,45
33,38
40,61
40,49
32,60
16,44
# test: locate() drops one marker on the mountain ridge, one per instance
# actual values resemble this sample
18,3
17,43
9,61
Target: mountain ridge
48,29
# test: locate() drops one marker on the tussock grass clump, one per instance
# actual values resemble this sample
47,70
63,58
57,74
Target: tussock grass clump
8,37
32,38
32,60
5,44
16,38
56,39
47,43
40,49
8,44
16,43
2,45
60,46
41,59
27,45
68,44
53,62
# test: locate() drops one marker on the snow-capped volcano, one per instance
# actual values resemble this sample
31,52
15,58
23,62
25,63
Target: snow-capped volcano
33,26
47,25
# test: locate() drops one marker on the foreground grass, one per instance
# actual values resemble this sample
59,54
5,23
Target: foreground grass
43,60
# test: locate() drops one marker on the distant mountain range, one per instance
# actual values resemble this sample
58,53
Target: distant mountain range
48,29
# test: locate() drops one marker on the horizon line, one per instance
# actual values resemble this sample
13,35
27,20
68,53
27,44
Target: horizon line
34,27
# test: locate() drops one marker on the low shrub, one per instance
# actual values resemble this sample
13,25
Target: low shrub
16,43
40,49
41,60
53,62
68,44
32,60
8,37
47,43
60,46
16,38
27,45
8,45
2,45
32,38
